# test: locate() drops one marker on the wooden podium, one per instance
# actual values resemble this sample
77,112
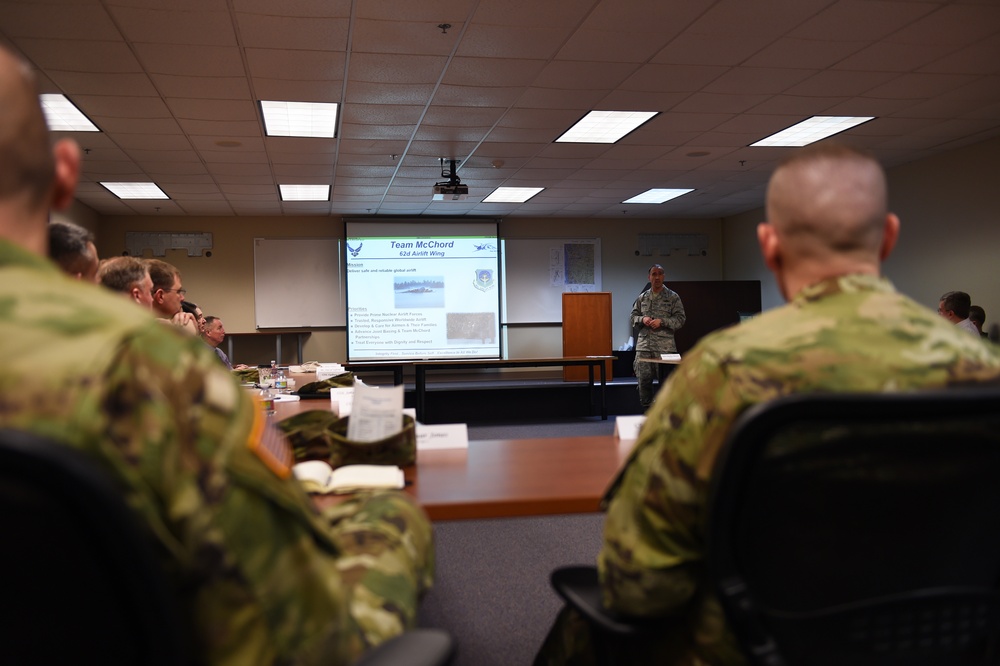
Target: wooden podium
586,329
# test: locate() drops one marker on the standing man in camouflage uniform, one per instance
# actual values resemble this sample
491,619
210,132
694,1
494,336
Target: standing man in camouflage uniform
264,577
844,329
657,313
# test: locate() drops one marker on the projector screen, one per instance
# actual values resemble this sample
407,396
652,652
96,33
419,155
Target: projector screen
422,290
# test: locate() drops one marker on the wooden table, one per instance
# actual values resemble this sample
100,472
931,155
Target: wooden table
504,478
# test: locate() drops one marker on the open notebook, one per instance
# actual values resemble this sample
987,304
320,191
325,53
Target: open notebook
317,476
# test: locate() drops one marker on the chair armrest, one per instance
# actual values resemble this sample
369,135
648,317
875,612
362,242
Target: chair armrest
580,588
418,647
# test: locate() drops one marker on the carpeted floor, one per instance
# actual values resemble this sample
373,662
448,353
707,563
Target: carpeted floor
492,592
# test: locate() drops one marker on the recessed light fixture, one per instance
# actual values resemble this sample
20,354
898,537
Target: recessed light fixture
605,126
812,130
512,194
304,192
657,196
311,119
61,115
135,190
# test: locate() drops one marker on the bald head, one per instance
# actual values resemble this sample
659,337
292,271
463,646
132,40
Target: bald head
27,167
829,200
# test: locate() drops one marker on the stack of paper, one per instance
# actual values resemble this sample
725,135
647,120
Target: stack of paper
327,370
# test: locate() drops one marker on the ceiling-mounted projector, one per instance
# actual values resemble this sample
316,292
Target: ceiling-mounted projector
450,192
451,189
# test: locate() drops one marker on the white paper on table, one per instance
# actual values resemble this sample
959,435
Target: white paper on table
377,413
341,400
628,427
670,357
442,436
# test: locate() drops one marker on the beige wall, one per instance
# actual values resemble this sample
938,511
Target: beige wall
949,205
222,284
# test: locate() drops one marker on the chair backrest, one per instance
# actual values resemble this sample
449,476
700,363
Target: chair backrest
861,529
79,579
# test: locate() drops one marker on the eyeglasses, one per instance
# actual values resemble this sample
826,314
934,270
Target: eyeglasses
180,291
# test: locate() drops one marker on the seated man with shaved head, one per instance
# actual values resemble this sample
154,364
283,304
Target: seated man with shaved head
844,329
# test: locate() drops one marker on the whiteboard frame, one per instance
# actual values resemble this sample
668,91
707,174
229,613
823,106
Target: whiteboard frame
299,283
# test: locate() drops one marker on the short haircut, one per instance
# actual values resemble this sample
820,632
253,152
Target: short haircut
188,306
122,273
958,302
71,246
27,165
977,314
654,266
209,321
162,274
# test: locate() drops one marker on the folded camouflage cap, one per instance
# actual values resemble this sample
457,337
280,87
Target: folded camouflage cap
320,434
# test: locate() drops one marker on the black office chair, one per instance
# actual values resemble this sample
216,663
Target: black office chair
855,529
79,579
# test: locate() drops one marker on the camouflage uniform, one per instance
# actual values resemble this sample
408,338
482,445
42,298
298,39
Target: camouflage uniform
264,577
650,344
854,333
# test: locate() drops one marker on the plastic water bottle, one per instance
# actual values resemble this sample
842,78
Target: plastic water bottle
280,381
267,401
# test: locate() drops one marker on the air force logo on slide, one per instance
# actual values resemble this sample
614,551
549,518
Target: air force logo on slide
354,250
484,279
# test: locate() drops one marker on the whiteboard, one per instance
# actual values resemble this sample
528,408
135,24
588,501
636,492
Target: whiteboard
298,283
538,270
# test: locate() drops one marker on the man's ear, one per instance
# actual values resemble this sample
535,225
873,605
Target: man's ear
890,234
770,247
67,159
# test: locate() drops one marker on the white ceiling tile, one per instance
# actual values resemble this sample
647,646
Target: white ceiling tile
491,71
213,109
235,130
171,25
191,60
311,33
205,87
804,53
396,36
62,21
861,21
101,83
77,55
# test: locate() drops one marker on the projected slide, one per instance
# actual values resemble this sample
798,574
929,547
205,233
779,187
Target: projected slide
418,290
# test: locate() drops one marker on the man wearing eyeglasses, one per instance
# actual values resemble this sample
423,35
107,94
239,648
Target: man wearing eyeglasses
168,294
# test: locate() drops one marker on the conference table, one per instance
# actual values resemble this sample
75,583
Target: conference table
421,368
504,478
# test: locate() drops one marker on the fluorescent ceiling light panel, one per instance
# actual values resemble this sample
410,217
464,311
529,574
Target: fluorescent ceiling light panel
305,192
314,119
656,196
512,194
135,190
812,130
605,126
61,115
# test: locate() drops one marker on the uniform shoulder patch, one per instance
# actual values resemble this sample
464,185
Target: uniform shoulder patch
270,445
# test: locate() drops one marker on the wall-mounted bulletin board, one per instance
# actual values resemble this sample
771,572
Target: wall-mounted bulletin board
298,283
537,271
